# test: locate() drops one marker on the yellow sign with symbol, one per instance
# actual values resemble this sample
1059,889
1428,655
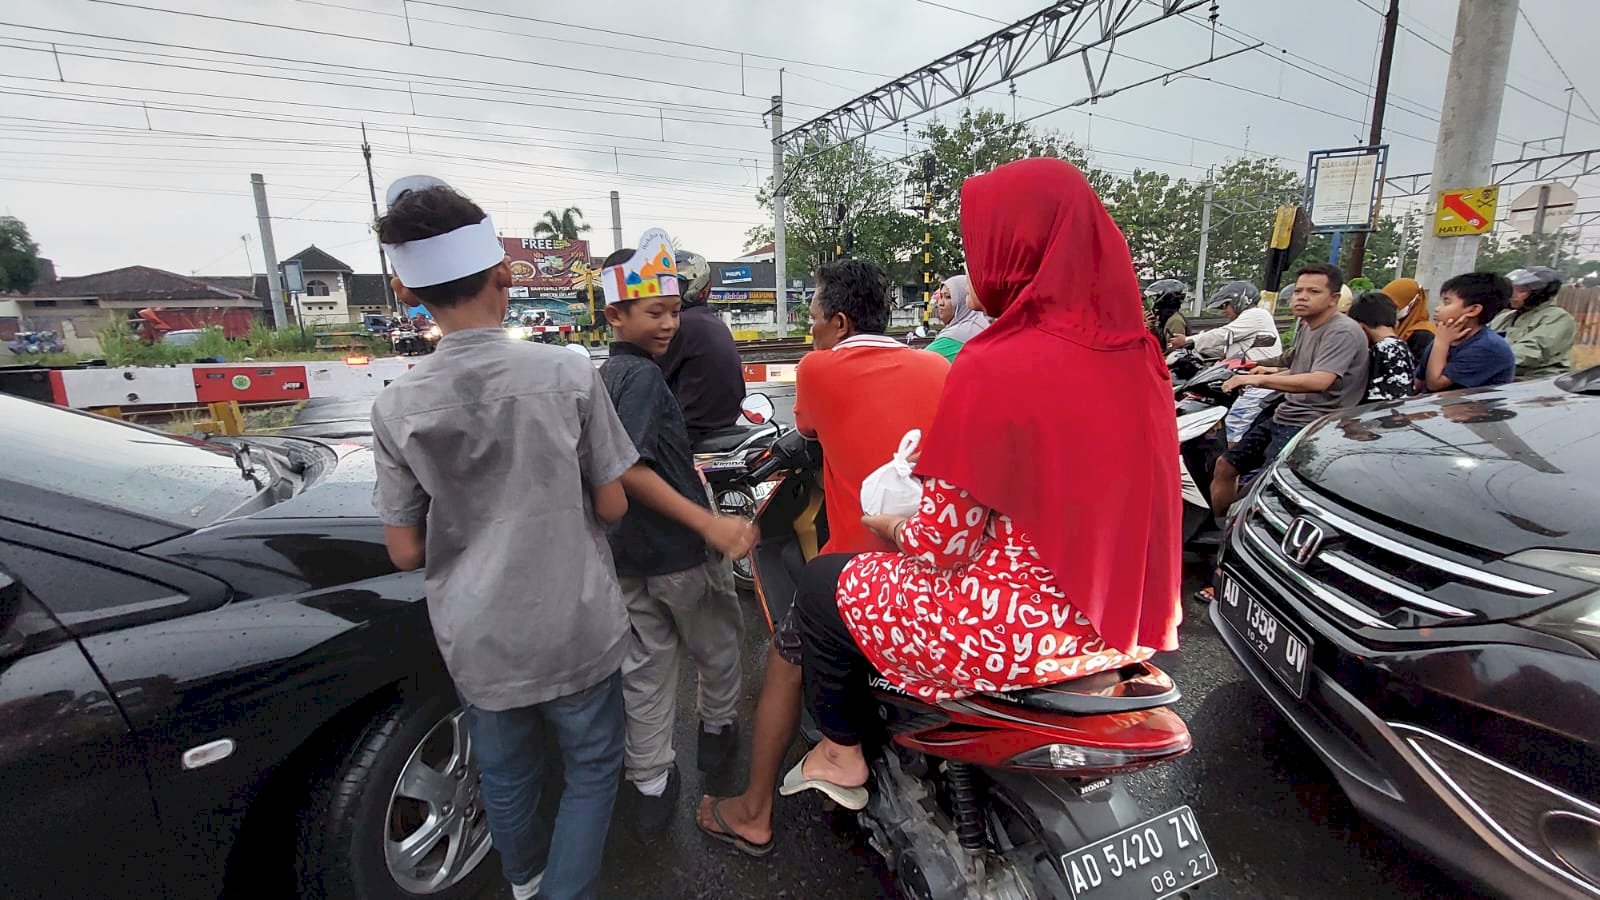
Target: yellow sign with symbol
1466,211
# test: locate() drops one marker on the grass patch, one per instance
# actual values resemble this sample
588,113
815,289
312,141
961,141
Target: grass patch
257,419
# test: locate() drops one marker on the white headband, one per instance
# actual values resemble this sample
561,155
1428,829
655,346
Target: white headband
445,257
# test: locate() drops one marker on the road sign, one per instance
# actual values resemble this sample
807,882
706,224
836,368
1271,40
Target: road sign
1465,211
1560,204
1342,187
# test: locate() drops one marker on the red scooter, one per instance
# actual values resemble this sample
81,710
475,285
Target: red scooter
1008,796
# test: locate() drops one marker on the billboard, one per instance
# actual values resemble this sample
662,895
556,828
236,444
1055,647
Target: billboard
545,266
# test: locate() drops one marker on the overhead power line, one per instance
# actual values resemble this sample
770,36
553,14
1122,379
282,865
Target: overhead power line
276,61
1571,85
455,51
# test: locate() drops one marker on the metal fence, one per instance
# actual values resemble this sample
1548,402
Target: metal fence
1584,304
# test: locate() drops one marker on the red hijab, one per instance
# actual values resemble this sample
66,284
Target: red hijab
1060,414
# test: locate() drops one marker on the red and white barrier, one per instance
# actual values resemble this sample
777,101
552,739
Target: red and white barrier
769,372
355,377
243,382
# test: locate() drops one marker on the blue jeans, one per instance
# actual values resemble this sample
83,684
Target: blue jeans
509,747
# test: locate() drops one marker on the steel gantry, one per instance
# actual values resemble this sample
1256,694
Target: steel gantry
1087,29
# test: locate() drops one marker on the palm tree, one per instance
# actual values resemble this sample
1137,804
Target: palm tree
566,224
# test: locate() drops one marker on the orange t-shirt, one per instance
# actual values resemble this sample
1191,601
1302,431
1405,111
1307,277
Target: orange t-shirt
859,399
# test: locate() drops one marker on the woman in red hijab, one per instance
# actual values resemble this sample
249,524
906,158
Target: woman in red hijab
1047,543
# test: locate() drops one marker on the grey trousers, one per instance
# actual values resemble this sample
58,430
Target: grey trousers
695,610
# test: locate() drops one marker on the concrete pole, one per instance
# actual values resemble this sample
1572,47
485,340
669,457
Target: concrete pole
616,221
390,300
269,253
779,244
1400,256
1464,150
1205,238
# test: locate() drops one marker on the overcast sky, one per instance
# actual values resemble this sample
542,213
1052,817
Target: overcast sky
132,140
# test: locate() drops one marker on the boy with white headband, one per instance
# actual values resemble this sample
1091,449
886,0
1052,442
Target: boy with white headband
498,461
660,545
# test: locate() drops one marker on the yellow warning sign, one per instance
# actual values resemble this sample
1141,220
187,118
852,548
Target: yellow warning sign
1466,211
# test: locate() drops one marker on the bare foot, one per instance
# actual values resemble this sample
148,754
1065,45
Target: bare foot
836,764
754,826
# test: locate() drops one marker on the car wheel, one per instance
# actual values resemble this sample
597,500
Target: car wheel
399,816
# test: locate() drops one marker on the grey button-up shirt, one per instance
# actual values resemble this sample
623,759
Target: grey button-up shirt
497,443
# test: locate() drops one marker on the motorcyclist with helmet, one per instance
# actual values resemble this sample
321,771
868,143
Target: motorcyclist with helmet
702,364
1240,301
1540,332
1164,298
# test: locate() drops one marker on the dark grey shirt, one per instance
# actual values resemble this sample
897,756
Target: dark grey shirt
1338,346
497,443
646,542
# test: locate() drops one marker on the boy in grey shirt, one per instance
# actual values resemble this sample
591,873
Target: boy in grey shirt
498,463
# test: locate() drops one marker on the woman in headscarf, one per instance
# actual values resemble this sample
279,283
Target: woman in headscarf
962,316
1411,309
1035,557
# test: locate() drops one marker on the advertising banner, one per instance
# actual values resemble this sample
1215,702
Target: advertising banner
544,266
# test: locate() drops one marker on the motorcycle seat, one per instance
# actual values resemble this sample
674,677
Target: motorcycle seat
721,440
1130,688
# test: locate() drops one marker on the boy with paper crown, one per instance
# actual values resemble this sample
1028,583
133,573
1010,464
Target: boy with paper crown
660,545
530,658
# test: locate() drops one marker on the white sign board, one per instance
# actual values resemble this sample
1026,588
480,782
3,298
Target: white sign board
1560,204
1343,192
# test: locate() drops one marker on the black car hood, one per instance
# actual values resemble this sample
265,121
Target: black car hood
1498,470
343,492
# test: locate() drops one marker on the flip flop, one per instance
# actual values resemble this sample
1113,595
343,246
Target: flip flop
795,781
1204,596
730,837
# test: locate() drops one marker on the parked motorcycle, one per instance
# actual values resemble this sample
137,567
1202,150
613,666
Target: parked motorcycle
407,341
723,457
1201,404
35,343
1008,796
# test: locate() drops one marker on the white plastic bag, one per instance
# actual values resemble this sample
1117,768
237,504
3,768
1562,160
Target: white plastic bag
892,490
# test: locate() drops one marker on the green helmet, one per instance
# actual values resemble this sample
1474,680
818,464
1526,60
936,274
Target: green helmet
694,275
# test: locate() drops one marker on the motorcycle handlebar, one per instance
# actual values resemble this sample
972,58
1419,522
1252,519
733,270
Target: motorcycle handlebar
765,470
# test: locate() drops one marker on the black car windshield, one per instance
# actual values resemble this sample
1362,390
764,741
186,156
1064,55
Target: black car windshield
1583,381
157,476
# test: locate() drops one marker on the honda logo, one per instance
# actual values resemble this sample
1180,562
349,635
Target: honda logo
1302,541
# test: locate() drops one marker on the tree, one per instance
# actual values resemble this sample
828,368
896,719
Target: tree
19,257
1500,253
1160,218
978,141
567,224
822,184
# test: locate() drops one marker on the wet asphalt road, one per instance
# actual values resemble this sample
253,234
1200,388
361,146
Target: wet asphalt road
1276,822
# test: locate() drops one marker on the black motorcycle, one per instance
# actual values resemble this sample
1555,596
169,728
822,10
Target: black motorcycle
724,456
1201,405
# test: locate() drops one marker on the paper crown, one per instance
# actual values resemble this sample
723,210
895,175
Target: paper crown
652,271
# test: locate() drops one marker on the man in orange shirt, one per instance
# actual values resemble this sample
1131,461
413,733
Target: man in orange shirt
857,393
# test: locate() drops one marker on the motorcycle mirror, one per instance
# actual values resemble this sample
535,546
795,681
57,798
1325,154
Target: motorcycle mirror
1265,340
757,408
579,349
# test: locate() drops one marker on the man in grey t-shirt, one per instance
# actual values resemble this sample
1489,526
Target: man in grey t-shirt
1327,372
498,461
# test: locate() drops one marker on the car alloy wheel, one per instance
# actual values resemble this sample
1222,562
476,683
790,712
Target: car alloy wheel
438,831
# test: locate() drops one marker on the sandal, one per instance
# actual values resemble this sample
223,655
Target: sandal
1204,596
795,781
730,837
